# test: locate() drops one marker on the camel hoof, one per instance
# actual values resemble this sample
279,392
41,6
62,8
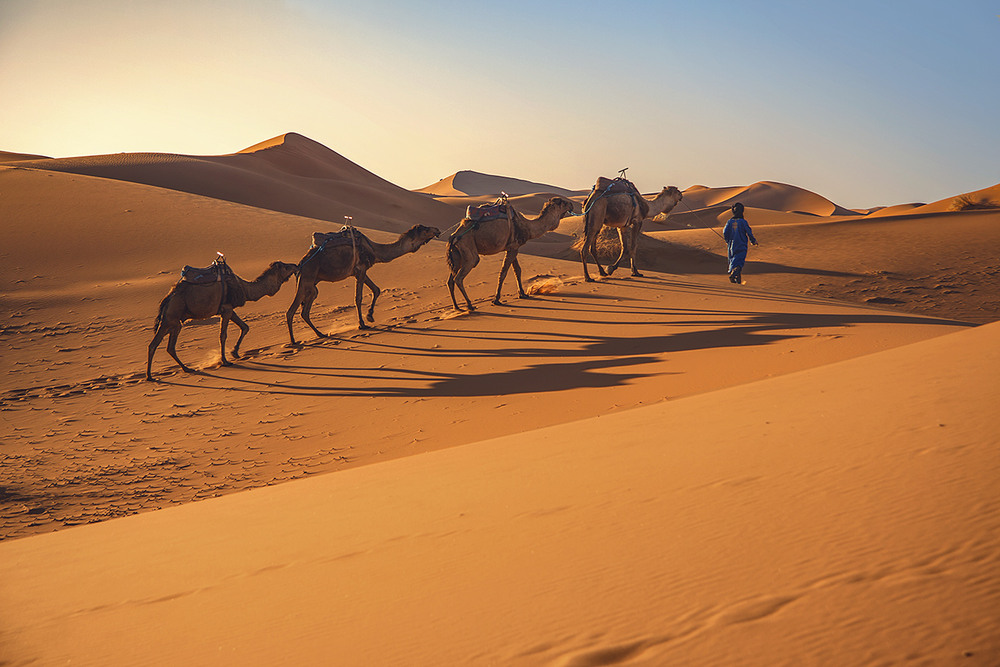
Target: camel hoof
636,274
149,378
226,363
524,296
370,317
363,326
588,279
497,302
187,370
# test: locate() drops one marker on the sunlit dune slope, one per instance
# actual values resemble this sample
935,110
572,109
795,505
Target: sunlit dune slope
842,515
987,198
289,173
767,195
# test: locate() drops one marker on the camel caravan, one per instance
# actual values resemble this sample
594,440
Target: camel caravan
487,229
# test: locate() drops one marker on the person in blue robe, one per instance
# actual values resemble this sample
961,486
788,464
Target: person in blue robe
737,233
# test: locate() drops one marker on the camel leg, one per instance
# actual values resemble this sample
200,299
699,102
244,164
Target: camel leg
465,263
636,229
161,331
621,255
508,258
593,253
583,259
226,314
174,331
375,292
451,289
517,274
460,281
591,247
359,285
311,293
244,329
585,248
290,313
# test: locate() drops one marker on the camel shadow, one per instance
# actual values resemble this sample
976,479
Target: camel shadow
551,361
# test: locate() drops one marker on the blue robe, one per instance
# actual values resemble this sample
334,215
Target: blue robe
737,234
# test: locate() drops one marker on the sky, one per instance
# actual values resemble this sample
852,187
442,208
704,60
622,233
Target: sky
866,102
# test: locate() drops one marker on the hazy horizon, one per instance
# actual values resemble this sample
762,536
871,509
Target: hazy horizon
864,104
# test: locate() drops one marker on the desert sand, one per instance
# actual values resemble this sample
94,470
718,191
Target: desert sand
659,470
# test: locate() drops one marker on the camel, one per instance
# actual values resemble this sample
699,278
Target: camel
624,211
190,301
349,253
507,234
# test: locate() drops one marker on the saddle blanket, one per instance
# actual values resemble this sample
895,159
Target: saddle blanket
616,186
331,239
206,275
486,212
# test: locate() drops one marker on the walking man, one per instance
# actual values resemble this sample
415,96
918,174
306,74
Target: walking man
736,233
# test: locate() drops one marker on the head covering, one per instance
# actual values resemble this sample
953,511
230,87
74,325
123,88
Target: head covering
738,210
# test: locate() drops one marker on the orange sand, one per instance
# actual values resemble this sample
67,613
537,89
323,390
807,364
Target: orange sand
657,470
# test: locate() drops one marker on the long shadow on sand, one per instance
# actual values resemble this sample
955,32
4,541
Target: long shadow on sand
561,360
755,267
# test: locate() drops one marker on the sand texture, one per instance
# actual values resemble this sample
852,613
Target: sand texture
667,469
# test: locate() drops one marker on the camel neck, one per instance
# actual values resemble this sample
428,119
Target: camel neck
386,252
267,284
545,222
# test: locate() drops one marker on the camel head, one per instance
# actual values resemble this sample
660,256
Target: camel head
283,270
421,234
564,206
672,192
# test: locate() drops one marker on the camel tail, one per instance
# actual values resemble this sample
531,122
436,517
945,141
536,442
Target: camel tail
163,307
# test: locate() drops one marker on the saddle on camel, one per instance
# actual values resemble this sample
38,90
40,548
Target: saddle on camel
478,213
217,272
605,187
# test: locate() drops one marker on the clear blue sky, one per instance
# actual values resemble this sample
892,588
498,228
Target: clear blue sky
865,102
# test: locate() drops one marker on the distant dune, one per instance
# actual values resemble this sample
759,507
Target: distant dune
468,187
767,195
475,184
985,199
19,157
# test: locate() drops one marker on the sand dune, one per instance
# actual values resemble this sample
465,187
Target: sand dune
290,173
6,156
767,195
837,516
987,198
658,470
475,184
